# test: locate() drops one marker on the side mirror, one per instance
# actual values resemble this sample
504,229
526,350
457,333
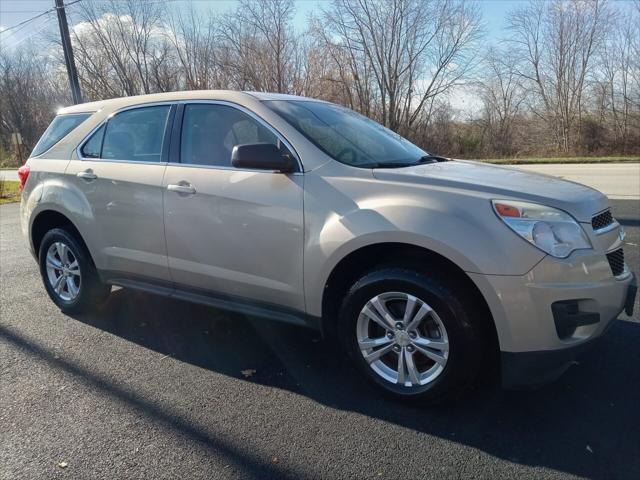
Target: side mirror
261,156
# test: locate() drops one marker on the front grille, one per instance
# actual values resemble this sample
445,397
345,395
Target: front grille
616,262
602,220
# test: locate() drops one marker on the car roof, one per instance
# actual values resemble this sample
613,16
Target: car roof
280,96
229,95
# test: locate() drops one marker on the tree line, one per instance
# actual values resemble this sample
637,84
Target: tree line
564,80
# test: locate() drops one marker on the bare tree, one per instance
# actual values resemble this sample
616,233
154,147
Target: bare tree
502,97
194,37
30,90
556,41
119,48
616,65
346,66
261,46
412,51
569,73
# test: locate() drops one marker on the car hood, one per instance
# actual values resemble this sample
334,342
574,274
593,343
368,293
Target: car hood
503,182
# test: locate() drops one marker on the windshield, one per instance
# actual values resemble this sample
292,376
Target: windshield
347,136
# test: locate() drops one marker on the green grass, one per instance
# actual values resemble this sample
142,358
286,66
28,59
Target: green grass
542,160
9,191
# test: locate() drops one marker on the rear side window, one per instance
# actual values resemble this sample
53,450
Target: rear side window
133,135
59,128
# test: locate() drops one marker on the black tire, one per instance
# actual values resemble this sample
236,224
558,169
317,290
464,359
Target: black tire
92,291
458,311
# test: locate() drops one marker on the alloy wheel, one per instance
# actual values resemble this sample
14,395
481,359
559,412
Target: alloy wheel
63,271
402,339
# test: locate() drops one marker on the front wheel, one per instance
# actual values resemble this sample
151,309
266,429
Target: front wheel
69,276
413,334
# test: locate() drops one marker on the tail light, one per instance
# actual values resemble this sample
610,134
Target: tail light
23,174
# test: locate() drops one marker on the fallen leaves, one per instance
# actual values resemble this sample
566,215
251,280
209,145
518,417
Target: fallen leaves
63,465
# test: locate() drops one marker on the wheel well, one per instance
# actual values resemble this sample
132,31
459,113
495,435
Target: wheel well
365,259
48,220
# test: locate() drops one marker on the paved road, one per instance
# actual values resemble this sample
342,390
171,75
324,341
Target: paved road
9,175
618,180
152,388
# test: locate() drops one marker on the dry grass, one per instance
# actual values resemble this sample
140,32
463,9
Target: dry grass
9,191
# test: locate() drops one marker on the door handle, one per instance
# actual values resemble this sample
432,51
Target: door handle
87,175
182,187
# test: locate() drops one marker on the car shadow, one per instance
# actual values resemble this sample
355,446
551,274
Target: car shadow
585,424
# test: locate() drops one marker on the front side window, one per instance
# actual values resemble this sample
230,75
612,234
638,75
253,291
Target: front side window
209,133
133,135
57,130
346,135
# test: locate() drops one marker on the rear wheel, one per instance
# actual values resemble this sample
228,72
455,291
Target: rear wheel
68,273
412,334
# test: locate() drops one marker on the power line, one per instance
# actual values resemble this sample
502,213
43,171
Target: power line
38,29
66,42
16,32
28,20
36,17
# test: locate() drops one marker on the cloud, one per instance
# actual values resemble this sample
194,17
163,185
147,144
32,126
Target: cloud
465,99
125,24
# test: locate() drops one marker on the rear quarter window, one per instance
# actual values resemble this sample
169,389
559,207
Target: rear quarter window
59,128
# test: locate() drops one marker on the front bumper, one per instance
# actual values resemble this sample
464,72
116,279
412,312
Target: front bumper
535,368
538,341
528,369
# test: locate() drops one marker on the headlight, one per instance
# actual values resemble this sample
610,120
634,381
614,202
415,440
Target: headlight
551,230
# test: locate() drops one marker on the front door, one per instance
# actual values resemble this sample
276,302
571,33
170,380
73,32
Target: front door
120,175
230,231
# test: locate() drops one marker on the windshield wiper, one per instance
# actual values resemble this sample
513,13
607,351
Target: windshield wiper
389,165
431,159
421,161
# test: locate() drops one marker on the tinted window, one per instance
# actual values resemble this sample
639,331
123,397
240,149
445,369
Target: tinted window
59,128
134,135
93,147
209,133
346,135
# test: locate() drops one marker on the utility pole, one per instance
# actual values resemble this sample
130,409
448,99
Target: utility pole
68,53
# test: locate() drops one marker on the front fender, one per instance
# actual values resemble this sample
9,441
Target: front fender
346,213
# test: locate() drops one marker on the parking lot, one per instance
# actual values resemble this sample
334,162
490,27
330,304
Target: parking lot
158,388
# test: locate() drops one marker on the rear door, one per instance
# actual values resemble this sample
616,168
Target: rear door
119,172
232,231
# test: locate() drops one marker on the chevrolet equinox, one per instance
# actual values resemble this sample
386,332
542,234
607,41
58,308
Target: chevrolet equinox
292,209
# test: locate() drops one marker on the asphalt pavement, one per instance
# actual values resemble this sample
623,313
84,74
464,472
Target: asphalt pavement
619,181
154,388
9,175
